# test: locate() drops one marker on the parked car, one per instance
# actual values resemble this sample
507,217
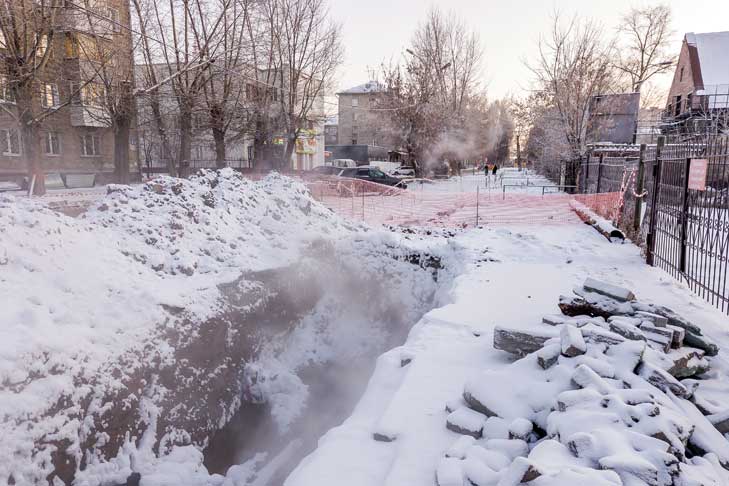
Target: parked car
342,163
325,170
404,171
372,174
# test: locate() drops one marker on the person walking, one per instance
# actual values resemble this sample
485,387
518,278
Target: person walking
496,169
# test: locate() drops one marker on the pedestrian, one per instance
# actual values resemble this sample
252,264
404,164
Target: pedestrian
496,169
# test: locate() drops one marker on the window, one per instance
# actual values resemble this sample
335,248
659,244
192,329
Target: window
680,77
113,15
3,44
354,141
90,145
50,97
355,102
198,152
6,94
52,142
10,142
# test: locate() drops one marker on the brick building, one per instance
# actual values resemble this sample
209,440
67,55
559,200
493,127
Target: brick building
699,94
75,135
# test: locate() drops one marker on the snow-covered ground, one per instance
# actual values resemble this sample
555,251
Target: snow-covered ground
515,276
86,297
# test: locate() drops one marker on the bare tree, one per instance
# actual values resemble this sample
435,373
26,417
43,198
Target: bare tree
306,51
573,66
435,95
28,28
178,45
110,69
644,44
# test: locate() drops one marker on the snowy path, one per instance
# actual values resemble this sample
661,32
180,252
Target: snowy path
533,267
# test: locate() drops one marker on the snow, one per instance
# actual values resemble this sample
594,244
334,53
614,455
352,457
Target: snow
115,274
530,268
712,48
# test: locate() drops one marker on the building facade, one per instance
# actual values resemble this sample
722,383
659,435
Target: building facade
699,96
84,50
240,143
361,119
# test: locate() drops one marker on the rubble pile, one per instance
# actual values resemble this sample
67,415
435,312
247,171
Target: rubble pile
604,394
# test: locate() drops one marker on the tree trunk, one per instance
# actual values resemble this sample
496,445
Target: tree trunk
162,132
183,156
219,137
29,141
285,162
121,149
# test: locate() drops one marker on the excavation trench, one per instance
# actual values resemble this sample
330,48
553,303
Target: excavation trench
356,315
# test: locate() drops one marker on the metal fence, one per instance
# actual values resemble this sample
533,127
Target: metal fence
683,227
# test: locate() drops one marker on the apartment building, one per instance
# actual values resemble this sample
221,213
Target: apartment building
89,49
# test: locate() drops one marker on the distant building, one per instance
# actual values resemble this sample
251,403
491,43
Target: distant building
699,95
361,120
331,131
613,118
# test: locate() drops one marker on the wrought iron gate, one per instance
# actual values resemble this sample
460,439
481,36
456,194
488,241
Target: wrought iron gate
689,228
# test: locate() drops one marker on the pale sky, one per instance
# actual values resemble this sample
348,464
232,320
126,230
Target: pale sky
377,30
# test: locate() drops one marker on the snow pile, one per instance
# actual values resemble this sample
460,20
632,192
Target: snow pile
83,297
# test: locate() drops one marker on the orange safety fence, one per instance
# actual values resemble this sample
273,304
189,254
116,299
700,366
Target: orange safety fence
378,204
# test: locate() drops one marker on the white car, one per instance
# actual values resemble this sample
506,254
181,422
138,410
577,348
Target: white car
404,171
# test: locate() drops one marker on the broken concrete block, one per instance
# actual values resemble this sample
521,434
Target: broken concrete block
553,320
570,398
585,377
657,319
582,444
478,473
476,404
596,334
600,366
521,471
493,459
624,327
673,318
465,421
453,405
631,465
520,429
688,362
662,380
679,335
662,337
520,343
577,306
549,355
496,428
720,421
613,291
571,341
460,448
512,448
700,342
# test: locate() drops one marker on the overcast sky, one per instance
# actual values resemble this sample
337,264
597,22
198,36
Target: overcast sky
377,30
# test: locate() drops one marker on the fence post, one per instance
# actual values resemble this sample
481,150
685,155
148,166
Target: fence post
586,174
685,215
657,174
639,189
478,193
599,173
